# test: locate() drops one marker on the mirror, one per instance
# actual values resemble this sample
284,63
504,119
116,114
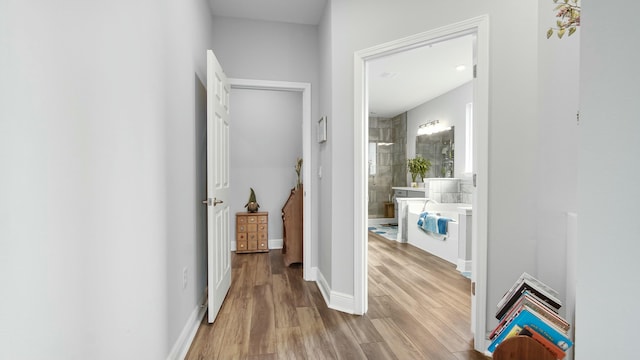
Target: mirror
439,149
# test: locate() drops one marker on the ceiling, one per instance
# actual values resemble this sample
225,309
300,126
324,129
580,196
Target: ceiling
402,81
307,12
398,82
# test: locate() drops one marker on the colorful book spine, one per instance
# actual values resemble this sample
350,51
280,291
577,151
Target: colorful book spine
538,305
528,317
557,352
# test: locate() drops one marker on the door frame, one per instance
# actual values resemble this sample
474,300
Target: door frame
480,27
305,89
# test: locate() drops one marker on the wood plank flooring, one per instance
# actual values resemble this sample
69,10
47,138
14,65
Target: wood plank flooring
419,308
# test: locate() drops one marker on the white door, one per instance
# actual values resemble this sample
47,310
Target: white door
218,242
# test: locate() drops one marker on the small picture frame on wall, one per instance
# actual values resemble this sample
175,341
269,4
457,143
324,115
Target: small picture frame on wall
322,129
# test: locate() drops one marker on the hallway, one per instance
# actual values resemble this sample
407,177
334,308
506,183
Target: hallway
418,309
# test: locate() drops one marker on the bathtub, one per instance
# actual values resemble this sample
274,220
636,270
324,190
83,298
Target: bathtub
455,246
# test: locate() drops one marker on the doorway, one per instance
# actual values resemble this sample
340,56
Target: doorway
479,28
305,90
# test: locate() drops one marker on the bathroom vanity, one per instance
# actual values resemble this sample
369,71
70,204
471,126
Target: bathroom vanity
405,192
401,192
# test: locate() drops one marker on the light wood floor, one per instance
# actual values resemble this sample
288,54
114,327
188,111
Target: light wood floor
419,308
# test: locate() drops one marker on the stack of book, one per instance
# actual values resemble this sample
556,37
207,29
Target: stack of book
530,308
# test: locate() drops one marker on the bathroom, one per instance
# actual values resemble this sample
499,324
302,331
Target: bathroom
395,206
394,138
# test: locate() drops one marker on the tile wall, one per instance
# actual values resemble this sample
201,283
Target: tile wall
391,136
447,190
444,190
391,168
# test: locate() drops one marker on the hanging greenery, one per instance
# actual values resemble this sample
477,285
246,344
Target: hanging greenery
568,18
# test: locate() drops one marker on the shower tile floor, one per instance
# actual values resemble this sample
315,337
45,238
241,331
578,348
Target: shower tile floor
389,231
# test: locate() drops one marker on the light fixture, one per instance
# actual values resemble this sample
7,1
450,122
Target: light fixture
432,127
461,67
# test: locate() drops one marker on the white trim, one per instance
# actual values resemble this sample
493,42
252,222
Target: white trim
468,140
323,286
183,343
313,274
254,84
480,27
464,265
305,89
275,244
334,300
341,302
481,197
361,136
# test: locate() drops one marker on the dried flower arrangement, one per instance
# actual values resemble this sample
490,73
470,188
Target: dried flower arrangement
568,18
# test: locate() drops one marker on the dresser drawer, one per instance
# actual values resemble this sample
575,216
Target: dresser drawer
242,245
252,232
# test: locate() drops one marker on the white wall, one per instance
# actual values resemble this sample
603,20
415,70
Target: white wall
263,50
187,35
98,144
556,168
266,140
512,128
450,109
608,226
324,202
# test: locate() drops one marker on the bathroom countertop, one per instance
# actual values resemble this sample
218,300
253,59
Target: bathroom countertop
408,188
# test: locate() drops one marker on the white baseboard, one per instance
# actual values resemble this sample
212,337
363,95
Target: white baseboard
342,302
464,265
275,243
182,345
312,275
323,286
335,300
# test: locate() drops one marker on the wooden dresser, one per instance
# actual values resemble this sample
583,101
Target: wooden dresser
292,228
252,232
